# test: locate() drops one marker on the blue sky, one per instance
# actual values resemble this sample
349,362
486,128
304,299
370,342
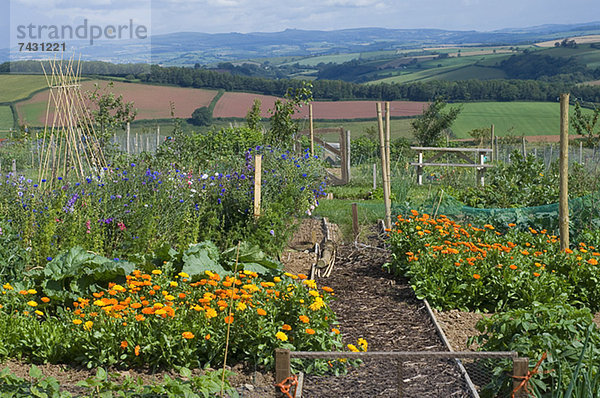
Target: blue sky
217,16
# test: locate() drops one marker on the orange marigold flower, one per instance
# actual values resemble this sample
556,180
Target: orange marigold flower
327,289
286,327
310,331
137,350
261,312
304,318
229,319
536,274
476,276
207,337
336,331
512,266
140,317
302,276
45,299
136,305
124,344
187,335
592,261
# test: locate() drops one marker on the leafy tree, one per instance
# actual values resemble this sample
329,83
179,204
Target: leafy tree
109,112
253,116
480,134
283,129
202,117
428,127
585,124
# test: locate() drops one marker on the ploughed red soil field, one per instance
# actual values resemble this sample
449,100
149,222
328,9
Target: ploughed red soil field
237,105
152,102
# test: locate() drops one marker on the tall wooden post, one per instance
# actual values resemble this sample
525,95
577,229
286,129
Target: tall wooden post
563,203
387,144
384,169
348,155
492,146
312,130
157,137
128,132
496,150
257,183
374,176
343,154
282,364
520,369
355,220
580,152
14,166
523,147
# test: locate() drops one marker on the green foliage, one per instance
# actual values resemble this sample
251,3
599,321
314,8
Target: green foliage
253,117
283,129
428,127
524,182
40,386
77,272
565,333
480,134
585,124
110,113
202,117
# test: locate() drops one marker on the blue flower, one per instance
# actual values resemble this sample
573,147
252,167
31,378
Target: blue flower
49,258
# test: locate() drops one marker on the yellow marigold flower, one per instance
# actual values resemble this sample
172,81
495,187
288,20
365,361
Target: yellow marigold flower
317,304
277,279
241,306
173,284
77,321
7,286
40,313
314,293
363,344
310,283
32,303
210,313
353,348
281,336
88,325
137,350
168,297
183,275
187,335
100,303
156,272
32,291
160,312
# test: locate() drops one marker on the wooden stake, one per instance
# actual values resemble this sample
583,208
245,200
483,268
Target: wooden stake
384,169
374,176
14,166
282,364
157,137
127,145
257,183
523,147
348,154
387,144
520,369
312,131
563,203
355,220
492,146
580,152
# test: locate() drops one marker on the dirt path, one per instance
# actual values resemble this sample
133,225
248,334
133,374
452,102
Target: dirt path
373,305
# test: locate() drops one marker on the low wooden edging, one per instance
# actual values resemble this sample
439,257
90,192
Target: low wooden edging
283,356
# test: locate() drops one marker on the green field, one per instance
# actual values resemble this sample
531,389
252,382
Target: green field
6,118
17,87
527,118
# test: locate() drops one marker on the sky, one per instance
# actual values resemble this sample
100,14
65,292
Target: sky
221,16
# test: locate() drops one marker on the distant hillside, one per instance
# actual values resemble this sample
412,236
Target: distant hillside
188,48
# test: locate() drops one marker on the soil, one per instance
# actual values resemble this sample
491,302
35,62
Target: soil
373,305
458,326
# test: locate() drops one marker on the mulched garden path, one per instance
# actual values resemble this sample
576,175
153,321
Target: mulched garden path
383,310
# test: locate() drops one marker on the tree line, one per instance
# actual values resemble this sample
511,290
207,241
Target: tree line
466,90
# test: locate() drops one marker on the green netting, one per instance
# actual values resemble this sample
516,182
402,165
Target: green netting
584,213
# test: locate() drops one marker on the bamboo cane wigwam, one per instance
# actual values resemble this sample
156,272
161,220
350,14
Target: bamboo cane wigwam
69,143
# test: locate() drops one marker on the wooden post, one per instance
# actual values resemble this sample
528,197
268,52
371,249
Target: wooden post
257,183
343,155
523,147
400,380
387,144
157,137
420,169
481,170
580,152
492,146
348,154
312,131
14,166
282,365
355,220
384,169
563,202
520,369
496,153
374,176
127,144
137,143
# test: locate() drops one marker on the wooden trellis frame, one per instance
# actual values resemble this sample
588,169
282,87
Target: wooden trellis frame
69,140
